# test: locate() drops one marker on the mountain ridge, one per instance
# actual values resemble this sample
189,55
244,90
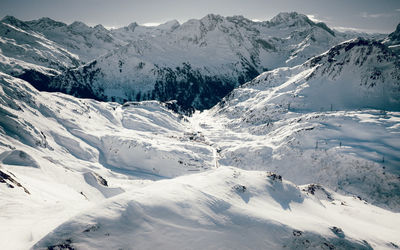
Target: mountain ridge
160,66
135,63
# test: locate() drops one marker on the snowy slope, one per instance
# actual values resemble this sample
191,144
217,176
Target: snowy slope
59,154
355,74
83,174
86,42
314,115
228,208
393,40
148,129
20,43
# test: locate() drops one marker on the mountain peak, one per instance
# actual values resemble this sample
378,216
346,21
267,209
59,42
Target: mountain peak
395,35
351,46
365,60
132,26
46,22
290,17
359,41
10,19
212,18
99,27
78,24
14,21
169,25
296,19
239,19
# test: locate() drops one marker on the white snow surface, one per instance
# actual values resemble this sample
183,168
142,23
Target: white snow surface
227,208
25,46
302,157
318,117
55,146
179,182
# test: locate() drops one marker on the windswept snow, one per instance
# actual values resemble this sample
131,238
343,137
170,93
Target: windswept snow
301,157
228,208
102,175
314,116
57,146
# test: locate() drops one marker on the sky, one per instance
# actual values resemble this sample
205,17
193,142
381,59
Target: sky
360,15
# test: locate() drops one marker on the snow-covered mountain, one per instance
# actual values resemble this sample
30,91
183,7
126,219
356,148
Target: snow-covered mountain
316,114
86,42
304,156
393,40
355,74
22,49
211,55
83,42
82,174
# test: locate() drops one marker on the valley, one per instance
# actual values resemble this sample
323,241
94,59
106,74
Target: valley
262,147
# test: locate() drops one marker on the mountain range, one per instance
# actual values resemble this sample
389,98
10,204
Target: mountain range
213,55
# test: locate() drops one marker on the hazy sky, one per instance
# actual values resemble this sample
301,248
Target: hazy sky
364,15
